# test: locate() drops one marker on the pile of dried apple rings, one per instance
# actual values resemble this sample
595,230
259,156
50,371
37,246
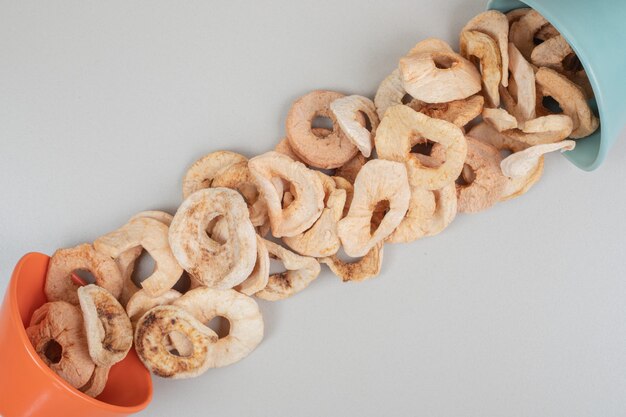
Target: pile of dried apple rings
432,143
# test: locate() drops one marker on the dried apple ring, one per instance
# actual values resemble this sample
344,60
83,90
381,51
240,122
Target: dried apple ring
152,342
551,53
500,119
343,184
59,285
241,311
141,302
151,235
546,32
521,102
57,334
482,46
257,280
300,272
522,163
486,133
571,99
284,148
238,177
542,130
366,267
390,93
516,14
326,152
378,182
522,32
309,193
394,142
322,239
439,76
429,213
108,329
496,25
457,112
201,173
215,265
484,183
348,112
97,381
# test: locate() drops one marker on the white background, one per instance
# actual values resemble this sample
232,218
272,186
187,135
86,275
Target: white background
518,311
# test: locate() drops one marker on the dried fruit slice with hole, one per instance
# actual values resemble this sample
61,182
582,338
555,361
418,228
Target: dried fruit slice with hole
349,112
480,45
326,152
522,32
322,239
97,381
57,334
59,285
309,193
151,235
241,311
486,133
430,45
258,278
107,327
500,119
516,187
300,272
141,302
570,98
457,112
238,177
482,180
520,164
379,181
496,25
152,343
439,76
429,213
390,93
521,101
551,53
201,173
366,267
394,141
214,264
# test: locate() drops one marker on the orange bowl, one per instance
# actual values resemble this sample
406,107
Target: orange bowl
28,388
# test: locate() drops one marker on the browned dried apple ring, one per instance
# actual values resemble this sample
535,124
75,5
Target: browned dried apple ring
327,152
57,334
59,285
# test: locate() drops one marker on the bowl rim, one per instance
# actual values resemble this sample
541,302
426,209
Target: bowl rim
23,337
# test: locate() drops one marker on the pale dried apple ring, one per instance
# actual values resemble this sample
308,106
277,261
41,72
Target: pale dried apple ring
379,181
57,334
309,193
152,342
151,235
390,93
429,213
394,142
322,239
483,47
201,173
457,112
571,99
300,272
430,45
107,327
97,381
516,187
485,188
486,133
348,112
551,53
439,76
366,267
215,265
141,302
520,164
327,152
241,311
238,177
522,32
545,129
159,215
521,102
59,285
257,280
496,25
500,119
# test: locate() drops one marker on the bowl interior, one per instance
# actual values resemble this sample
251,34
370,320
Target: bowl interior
129,383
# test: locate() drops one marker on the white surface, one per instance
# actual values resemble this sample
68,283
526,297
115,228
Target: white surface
518,311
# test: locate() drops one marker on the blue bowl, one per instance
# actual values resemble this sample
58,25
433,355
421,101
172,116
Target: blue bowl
596,30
